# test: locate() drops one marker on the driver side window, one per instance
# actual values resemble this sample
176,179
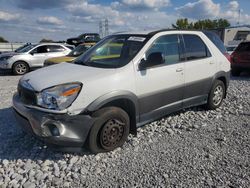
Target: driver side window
168,46
40,49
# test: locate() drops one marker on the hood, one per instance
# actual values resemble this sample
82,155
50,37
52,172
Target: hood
64,73
8,54
61,59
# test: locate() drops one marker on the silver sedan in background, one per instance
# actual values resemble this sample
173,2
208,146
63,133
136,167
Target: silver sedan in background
31,57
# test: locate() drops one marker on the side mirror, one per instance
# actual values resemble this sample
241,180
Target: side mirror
31,53
154,59
142,65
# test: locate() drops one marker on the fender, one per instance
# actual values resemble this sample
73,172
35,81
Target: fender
224,74
114,95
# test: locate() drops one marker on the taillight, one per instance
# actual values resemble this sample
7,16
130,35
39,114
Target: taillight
228,56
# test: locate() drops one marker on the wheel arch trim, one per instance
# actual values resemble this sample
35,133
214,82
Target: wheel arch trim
112,96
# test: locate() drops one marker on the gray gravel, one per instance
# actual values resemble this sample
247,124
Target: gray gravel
191,148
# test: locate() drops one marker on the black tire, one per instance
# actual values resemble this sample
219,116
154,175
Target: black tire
235,72
20,68
216,95
109,131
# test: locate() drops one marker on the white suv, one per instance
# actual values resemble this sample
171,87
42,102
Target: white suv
31,57
125,81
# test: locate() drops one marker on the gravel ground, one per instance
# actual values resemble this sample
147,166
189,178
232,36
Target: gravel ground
192,148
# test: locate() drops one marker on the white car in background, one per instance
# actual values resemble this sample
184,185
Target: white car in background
31,57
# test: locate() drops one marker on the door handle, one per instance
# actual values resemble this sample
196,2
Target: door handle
211,62
179,70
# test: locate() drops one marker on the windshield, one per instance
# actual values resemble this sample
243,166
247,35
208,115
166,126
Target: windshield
113,52
79,50
26,49
21,47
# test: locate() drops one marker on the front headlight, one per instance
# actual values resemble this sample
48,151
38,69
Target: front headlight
59,97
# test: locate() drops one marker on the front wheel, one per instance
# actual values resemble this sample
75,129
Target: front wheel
20,68
109,131
216,95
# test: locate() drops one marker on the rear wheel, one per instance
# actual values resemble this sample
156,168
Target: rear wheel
20,68
110,130
216,95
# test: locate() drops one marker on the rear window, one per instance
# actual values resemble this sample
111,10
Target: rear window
195,48
243,47
216,40
55,48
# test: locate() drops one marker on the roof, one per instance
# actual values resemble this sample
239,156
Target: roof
152,32
51,43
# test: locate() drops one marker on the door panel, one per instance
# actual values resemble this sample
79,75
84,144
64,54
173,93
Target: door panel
161,86
200,68
37,60
39,55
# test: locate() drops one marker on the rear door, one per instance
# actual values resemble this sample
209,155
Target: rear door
57,50
160,88
200,68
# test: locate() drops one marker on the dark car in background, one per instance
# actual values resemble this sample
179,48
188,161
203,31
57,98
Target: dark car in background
241,59
84,38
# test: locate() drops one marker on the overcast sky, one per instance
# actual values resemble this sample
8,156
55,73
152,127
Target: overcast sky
32,20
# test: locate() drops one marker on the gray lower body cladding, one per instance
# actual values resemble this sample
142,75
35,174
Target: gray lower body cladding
156,105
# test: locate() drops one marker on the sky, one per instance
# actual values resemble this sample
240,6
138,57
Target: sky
32,20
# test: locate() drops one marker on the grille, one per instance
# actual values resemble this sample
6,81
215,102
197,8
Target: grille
27,96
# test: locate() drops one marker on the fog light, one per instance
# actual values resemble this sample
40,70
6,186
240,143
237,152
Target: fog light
54,130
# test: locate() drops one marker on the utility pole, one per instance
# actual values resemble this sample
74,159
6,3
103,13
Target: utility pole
239,16
106,27
101,29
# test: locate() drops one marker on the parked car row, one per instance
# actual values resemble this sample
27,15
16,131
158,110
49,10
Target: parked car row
33,56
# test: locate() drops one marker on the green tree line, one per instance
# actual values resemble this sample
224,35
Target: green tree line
201,24
2,39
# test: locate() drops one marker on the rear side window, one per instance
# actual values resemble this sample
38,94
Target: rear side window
216,40
195,48
55,48
243,47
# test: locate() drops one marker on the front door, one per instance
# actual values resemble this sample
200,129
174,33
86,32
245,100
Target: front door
160,88
38,56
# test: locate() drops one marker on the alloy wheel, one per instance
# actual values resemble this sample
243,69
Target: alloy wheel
21,68
218,95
